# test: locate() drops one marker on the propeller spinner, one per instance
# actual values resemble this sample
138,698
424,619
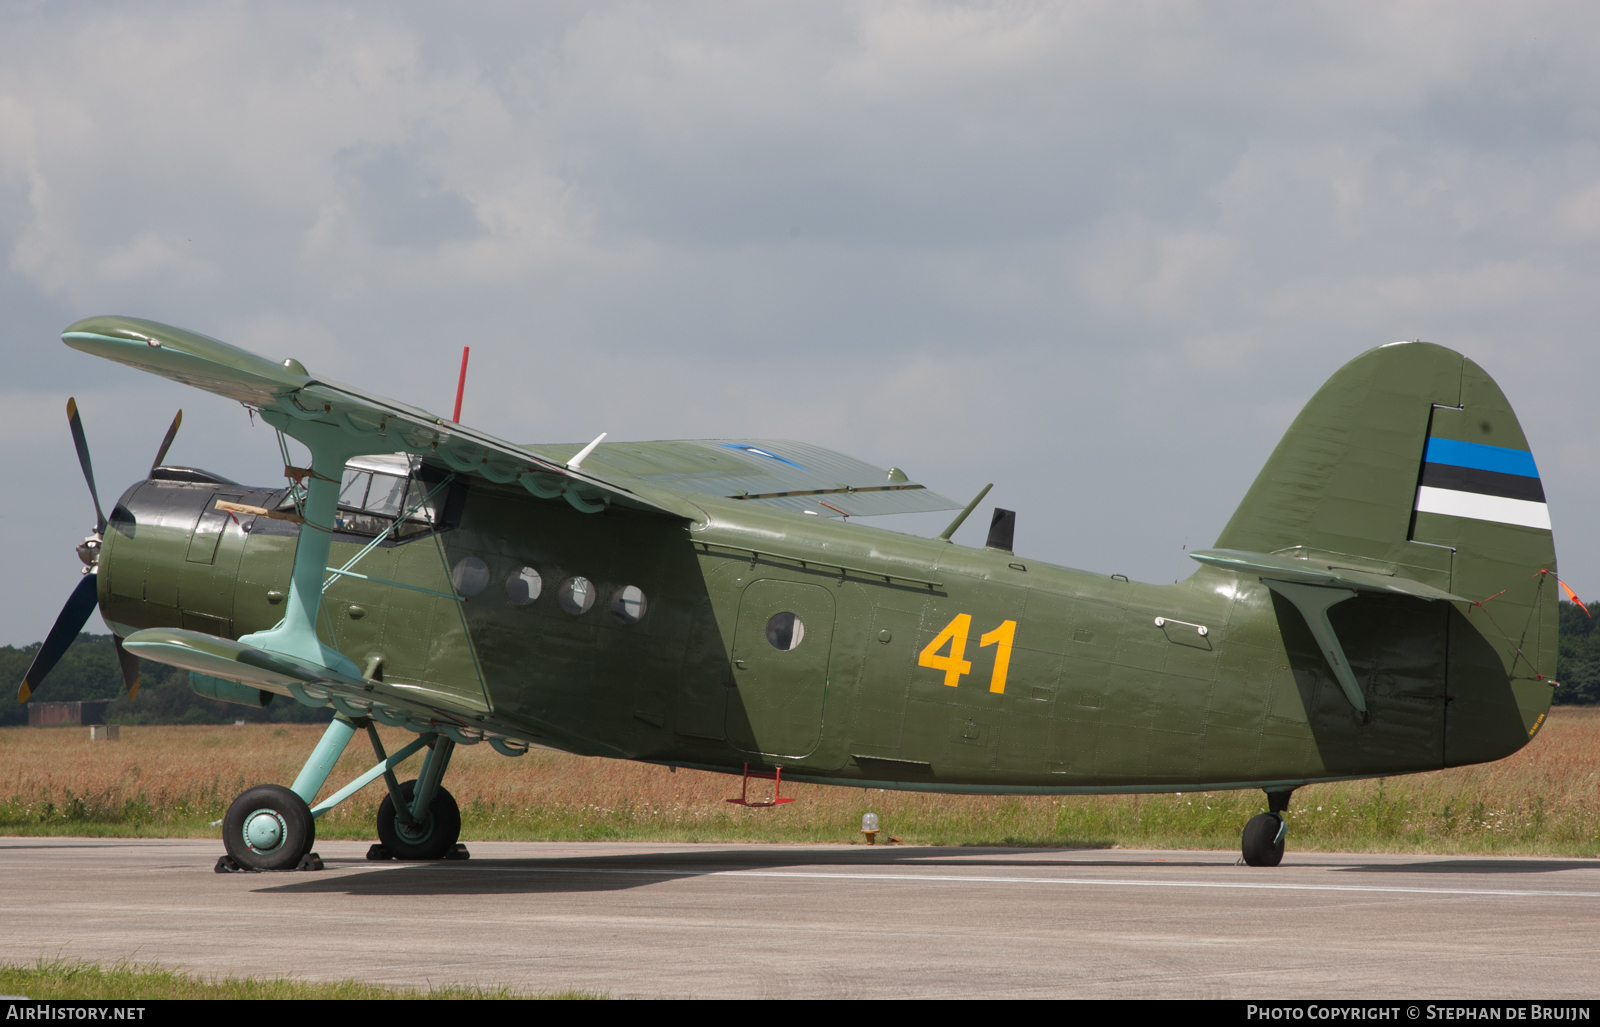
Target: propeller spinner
81,603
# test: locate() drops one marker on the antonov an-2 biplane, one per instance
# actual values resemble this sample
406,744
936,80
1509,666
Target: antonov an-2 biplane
1382,602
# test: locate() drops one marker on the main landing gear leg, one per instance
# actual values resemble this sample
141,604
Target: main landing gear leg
420,819
1262,843
271,827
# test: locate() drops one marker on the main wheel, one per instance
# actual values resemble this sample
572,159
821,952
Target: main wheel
269,828
1261,844
429,839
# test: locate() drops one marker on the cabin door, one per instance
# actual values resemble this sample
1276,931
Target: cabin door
781,647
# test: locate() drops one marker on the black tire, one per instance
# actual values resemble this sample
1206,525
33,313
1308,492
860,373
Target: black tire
432,839
269,828
1258,841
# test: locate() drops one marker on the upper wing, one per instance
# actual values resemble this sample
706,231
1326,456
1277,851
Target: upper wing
775,472
645,475
285,390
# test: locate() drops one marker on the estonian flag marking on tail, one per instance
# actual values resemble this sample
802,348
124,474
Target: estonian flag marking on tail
1485,483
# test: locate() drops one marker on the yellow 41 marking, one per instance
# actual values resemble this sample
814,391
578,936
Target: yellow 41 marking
955,664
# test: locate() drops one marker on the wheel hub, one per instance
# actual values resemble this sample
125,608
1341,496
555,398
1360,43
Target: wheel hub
416,832
265,830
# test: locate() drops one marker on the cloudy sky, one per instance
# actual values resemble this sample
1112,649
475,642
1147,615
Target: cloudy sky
1097,253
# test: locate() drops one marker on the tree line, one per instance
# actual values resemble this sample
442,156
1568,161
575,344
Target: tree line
89,670
1578,668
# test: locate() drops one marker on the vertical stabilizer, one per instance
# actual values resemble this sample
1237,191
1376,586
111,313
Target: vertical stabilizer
1409,462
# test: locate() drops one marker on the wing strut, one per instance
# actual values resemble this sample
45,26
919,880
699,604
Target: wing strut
296,635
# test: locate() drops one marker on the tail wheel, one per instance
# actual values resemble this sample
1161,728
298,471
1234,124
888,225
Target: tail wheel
269,828
429,838
1263,840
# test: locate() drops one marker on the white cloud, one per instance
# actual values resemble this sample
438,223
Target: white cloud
1578,214
1141,273
1082,250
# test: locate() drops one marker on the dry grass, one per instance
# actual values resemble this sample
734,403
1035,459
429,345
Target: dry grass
69,979
172,781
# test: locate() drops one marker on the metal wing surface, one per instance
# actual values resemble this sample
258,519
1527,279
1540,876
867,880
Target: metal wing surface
767,472
284,392
646,475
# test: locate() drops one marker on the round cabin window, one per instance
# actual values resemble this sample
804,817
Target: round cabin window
576,595
470,576
524,586
785,631
628,604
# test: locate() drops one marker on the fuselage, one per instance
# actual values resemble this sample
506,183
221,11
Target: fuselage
838,651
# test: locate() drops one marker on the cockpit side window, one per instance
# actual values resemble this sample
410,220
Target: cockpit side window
353,491
385,494
426,515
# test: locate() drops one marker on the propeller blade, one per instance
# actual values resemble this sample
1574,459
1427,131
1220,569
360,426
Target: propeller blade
161,454
130,668
83,461
68,624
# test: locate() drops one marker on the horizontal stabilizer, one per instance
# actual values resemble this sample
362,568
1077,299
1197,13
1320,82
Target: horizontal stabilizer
1317,572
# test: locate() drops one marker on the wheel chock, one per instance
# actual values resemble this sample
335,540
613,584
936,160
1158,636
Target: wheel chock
229,865
457,851
378,852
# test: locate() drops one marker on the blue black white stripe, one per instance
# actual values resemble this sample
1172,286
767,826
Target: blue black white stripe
1485,483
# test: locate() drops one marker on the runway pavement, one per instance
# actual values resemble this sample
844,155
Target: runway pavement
813,921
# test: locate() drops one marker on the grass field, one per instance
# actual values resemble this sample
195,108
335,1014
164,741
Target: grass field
172,781
140,982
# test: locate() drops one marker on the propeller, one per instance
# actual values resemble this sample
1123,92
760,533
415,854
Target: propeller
76,424
68,624
130,668
166,443
84,598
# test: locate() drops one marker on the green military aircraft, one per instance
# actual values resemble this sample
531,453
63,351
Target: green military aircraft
1382,602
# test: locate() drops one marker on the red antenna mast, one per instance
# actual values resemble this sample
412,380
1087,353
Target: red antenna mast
461,386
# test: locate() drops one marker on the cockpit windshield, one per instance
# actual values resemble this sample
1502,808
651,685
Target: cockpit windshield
378,490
